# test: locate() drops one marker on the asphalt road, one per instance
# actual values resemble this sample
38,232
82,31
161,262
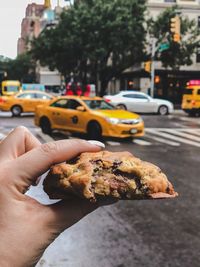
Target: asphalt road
137,233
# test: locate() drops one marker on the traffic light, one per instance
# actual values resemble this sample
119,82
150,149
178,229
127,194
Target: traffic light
147,66
157,79
175,28
176,38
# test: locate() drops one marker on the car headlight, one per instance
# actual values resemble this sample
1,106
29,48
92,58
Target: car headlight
138,120
112,120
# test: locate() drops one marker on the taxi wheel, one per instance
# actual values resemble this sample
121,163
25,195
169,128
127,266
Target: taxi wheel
163,110
45,126
94,131
121,106
16,111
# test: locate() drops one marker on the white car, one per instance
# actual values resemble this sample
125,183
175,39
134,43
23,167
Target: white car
140,102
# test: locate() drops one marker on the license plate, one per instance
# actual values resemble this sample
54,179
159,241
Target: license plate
133,131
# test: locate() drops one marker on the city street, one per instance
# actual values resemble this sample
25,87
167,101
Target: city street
136,233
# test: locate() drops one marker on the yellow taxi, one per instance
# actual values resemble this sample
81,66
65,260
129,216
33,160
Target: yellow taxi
23,101
90,115
10,87
191,98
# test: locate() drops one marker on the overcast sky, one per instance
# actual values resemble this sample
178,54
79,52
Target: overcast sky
11,14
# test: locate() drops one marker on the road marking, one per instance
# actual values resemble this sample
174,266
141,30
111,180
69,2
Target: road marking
182,134
112,143
162,140
141,142
170,136
192,131
45,137
174,128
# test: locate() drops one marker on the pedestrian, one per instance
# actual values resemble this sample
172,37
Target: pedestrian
26,226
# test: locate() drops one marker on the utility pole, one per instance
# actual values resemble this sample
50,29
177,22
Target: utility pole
160,47
153,52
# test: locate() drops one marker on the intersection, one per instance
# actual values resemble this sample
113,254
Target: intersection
134,232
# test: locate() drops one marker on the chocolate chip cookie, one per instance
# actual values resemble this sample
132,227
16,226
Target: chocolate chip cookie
117,175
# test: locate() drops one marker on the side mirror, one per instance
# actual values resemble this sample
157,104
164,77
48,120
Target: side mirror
80,108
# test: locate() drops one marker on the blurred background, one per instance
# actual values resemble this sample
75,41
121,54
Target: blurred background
126,72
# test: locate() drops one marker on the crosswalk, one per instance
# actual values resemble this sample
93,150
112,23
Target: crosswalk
167,136
174,137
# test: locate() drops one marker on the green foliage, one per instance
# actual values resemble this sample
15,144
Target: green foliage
22,68
95,37
178,54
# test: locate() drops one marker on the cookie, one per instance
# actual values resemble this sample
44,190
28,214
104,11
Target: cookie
116,175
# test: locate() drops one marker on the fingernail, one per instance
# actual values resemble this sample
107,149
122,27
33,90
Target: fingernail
97,143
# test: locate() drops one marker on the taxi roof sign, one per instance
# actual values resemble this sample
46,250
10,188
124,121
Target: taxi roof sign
193,82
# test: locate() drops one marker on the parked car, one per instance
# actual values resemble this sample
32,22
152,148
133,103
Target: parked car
140,102
23,101
90,115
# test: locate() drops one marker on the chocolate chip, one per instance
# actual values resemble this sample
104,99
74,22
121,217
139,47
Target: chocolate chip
168,189
96,169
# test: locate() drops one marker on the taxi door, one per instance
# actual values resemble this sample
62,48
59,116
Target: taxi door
58,114
76,120
27,101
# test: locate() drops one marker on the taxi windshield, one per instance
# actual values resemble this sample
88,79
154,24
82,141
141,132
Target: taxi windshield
11,88
188,91
99,104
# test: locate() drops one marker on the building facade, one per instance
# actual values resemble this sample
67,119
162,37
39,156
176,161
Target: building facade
169,84
37,17
30,26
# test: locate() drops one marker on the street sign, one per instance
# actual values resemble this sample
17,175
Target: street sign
163,47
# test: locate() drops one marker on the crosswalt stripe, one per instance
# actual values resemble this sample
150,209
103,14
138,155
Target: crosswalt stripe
182,134
195,132
163,140
172,137
141,142
112,143
44,137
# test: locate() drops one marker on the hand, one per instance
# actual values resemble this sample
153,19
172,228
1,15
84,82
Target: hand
26,226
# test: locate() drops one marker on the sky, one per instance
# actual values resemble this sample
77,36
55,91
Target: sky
11,14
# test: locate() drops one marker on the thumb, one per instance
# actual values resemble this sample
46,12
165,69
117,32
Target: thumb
37,161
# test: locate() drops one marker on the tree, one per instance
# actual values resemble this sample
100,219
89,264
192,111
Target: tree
22,68
179,53
95,39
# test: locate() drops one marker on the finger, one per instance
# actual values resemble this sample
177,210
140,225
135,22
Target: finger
37,161
67,212
18,142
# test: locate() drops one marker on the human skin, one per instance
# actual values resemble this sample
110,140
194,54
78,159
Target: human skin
26,226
